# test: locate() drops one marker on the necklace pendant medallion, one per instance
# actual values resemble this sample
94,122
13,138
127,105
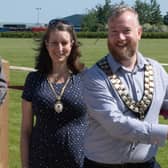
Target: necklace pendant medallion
58,106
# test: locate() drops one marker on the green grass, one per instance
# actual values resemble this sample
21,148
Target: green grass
20,52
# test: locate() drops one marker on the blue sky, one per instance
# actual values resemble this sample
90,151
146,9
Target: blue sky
26,11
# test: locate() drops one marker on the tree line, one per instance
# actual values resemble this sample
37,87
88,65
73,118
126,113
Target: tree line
150,16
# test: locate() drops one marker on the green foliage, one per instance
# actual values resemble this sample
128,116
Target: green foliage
143,10
155,28
92,34
96,19
20,34
155,35
155,13
165,19
103,12
90,22
149,34
150,31
148,12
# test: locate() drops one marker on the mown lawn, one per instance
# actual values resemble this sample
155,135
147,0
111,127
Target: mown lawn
20,52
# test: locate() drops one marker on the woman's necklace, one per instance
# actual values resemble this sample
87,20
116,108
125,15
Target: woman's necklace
58,106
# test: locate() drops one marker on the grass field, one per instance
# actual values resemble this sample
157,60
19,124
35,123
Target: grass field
20,52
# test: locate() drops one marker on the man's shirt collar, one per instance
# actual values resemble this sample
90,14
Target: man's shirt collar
116,66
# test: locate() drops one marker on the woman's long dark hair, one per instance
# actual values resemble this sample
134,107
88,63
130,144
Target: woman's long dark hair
43,61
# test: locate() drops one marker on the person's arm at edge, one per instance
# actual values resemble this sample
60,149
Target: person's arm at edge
3,84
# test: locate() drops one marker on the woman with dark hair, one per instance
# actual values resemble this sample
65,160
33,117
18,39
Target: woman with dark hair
53,113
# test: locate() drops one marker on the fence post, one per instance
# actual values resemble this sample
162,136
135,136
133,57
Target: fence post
4,122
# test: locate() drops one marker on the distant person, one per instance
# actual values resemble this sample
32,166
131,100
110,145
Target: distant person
53,112
124,93
3,84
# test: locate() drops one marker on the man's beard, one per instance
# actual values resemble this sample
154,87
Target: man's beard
123,54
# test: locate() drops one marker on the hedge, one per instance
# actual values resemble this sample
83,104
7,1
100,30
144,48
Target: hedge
79,34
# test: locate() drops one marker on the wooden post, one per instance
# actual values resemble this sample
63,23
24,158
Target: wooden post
4,122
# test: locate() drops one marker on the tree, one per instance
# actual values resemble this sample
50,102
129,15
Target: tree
165,19
90,21
148,12
143,11
102,14
96,18
155,13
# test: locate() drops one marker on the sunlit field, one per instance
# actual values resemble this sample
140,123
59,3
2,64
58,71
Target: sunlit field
20,52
